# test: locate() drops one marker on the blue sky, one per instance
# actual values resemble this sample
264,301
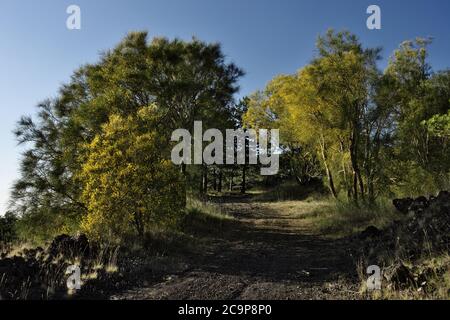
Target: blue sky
265,38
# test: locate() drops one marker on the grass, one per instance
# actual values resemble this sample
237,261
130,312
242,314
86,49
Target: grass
52,274
340,219
203,218
289,191
16,249
107,259
207,210
332,218
325,215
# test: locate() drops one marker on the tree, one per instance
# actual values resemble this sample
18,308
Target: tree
365,126
186,80
321,109
129,186
345,72
46,187
420,94
439,129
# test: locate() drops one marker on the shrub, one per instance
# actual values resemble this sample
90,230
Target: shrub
8,232
129,187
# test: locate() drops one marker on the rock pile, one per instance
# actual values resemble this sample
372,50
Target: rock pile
419,205
426,226
70,247
425,229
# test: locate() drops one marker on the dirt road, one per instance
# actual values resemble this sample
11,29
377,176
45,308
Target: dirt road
268,253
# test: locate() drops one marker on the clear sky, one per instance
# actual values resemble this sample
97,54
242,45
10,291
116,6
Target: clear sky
264,37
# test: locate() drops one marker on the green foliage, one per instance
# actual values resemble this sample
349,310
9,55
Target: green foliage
439,125
367,133
8,228
38,227
417,181
186,80
290,190
417,95
45,191
364,132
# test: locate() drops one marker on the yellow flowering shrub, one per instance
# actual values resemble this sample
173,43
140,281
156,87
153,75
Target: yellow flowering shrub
129,185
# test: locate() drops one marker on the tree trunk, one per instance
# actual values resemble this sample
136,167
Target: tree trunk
357,178
328,171
205,179
331,182
219,187
201,185
244,186
361,185
347,184
139,225
214,179
355,187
